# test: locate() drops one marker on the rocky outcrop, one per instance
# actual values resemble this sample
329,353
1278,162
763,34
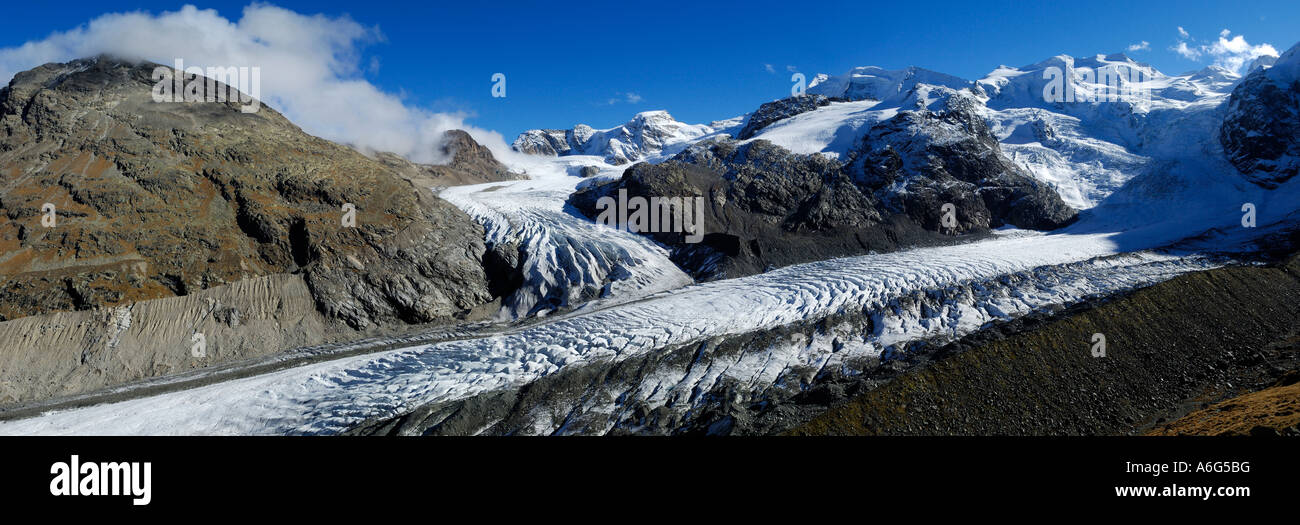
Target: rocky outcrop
468,162
767,207
1261,129
166,199
763,207
549,142
778,110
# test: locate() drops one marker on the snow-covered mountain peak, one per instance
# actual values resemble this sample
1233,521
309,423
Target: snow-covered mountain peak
1216,70
1284,69
1066,79
875,83
1114,117
656,115
1213,78
1260,62
648,134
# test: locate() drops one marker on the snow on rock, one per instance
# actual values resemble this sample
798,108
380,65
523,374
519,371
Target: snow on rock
875,83
648,134
1084,149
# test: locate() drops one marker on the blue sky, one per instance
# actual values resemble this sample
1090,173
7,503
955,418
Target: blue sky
601,62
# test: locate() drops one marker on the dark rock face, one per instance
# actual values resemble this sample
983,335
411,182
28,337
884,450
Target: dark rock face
763,207
780,110
161,199
767,207
1261,129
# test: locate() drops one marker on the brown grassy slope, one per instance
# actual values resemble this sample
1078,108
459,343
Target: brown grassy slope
1274,410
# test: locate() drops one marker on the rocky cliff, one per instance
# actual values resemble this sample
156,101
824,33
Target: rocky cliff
1261,130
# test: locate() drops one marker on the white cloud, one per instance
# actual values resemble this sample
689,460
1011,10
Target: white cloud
1142,46
769,68
630,98
1235,53
1186,51
1230,53
1183,32
792,69
312,70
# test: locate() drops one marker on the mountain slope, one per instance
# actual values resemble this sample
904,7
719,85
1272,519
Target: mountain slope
162,199
1201,336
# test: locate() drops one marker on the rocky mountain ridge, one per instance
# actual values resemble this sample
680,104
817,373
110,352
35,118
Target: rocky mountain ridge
163,199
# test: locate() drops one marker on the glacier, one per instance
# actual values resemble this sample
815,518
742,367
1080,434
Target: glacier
593,295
